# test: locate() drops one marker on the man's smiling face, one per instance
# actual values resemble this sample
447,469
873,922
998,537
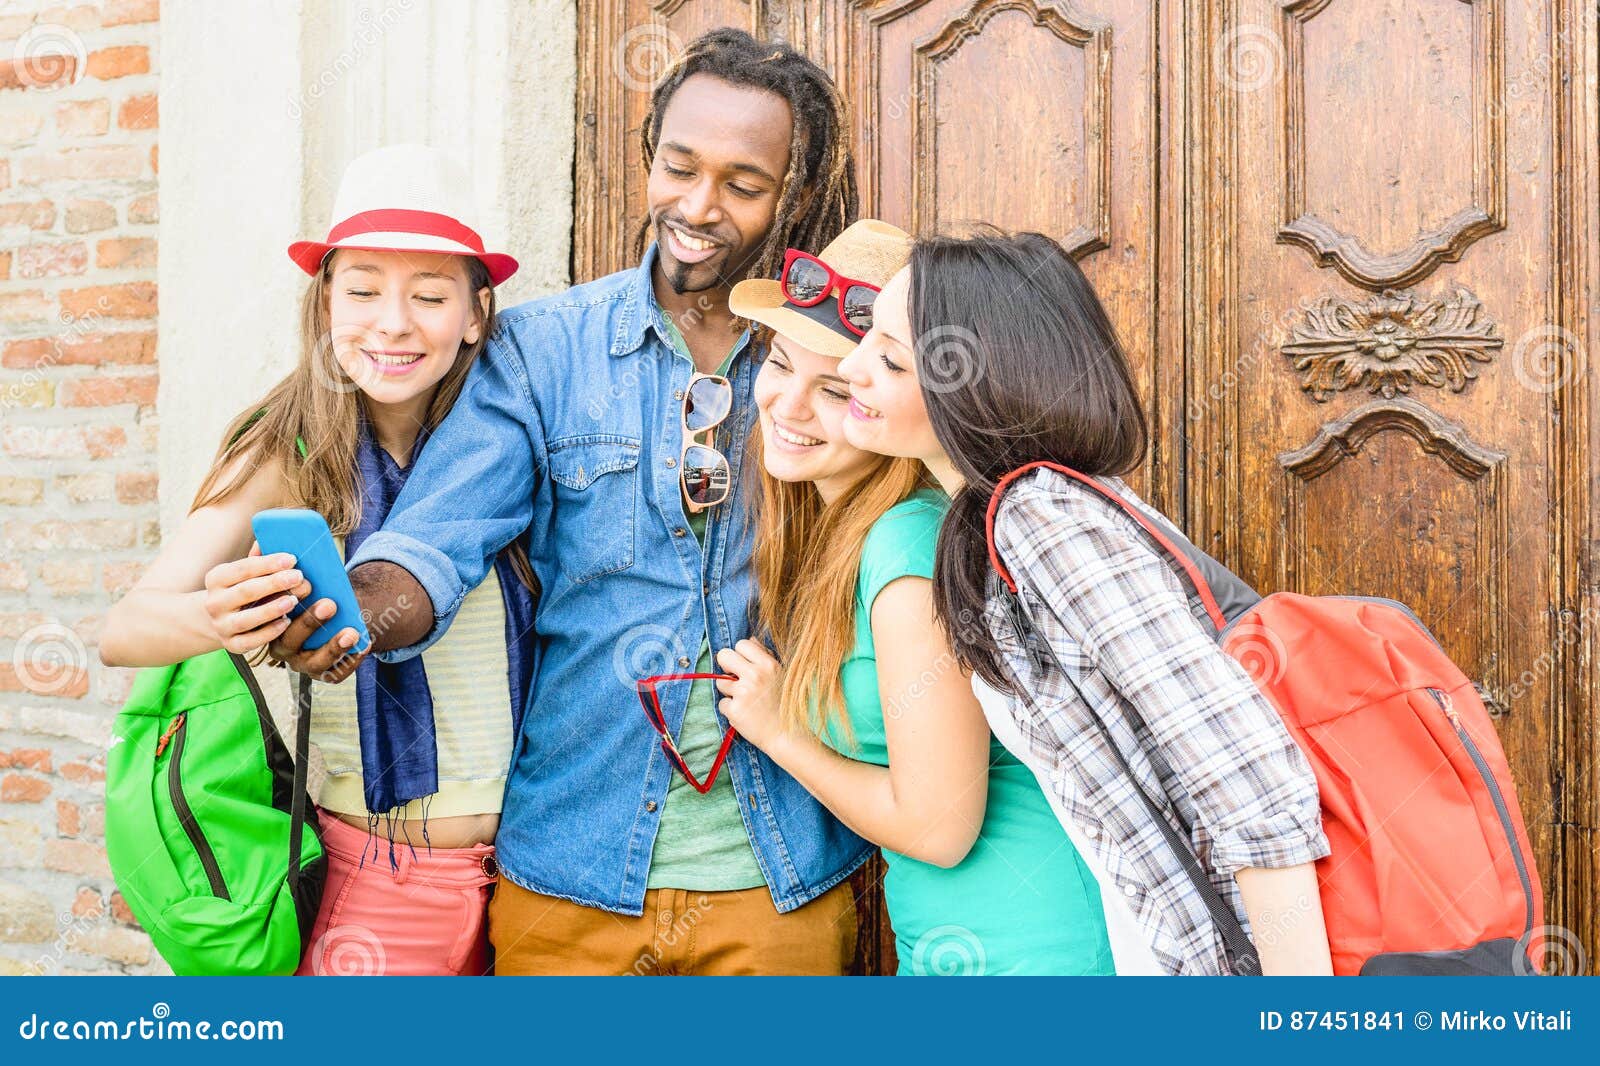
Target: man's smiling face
721,156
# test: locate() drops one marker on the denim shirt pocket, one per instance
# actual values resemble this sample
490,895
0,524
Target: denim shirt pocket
596,496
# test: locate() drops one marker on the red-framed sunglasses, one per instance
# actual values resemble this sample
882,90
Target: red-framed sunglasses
651,702
807,281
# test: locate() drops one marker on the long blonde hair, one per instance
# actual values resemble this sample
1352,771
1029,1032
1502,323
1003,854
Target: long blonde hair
319,404
806,561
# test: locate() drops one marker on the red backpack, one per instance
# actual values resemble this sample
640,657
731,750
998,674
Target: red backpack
1430,870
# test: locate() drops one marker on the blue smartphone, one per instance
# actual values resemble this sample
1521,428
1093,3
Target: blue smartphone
305,535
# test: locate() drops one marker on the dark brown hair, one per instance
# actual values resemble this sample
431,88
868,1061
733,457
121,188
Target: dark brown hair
1017,362
818,198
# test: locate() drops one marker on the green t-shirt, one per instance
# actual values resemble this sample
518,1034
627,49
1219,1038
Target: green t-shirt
701,842
1022,901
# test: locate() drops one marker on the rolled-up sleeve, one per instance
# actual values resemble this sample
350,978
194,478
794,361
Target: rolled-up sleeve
471,492
1121,603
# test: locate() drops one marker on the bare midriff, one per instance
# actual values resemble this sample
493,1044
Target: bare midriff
457,831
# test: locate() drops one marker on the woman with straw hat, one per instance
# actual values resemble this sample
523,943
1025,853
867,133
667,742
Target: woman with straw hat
868,709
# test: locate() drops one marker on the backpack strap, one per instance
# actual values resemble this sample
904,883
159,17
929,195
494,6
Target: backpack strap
299,442
1184,560
1246,961
297,799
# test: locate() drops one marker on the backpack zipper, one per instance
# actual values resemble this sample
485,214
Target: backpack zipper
180,804
1442,698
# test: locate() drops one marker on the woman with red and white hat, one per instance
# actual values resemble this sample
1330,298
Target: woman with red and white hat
400,303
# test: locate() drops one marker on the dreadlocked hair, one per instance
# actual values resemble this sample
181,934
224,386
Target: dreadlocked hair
822,171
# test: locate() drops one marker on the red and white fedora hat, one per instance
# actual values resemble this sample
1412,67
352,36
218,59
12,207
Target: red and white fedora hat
404,198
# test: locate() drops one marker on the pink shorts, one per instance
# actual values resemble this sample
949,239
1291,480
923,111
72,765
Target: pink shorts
427,917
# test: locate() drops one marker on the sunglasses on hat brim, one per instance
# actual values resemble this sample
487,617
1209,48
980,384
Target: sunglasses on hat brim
807,281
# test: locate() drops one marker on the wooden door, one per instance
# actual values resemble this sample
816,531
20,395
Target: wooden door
1387,389
1350,246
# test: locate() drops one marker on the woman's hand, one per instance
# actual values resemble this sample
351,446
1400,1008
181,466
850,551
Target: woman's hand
750,701
248,600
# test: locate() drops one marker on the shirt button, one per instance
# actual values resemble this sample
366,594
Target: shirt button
1092,832
650,805
679,531
671,463
752,801
1130,891
677,394
683,660
705,588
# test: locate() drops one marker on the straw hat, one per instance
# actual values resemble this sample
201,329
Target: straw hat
869,251
404,198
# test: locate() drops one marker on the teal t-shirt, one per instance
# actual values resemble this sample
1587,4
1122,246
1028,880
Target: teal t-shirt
1022,901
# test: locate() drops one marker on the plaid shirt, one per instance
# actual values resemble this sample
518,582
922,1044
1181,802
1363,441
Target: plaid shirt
1190,722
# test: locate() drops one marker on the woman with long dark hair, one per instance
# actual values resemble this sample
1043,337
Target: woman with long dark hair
992,352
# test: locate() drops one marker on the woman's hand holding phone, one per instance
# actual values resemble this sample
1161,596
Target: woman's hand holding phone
248,600
331,655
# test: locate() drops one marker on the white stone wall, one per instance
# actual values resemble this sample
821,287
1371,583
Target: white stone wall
250,163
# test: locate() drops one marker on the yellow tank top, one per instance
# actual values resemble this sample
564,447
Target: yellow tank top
471,717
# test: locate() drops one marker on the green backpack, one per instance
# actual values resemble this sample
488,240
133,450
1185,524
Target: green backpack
206,819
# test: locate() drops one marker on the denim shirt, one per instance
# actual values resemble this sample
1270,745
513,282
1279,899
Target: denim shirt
570,426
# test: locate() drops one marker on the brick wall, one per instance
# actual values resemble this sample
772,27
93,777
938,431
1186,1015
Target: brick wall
78,435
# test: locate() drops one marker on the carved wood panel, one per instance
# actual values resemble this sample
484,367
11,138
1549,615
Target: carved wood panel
1019,113
1390,322
1385,211
1422,518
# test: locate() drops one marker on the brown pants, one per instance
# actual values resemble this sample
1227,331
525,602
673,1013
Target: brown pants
680,932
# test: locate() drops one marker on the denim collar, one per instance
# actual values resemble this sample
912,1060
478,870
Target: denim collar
641,312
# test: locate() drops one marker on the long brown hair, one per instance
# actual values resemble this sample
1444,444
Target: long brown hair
818,198
1053,384
806,559
321,405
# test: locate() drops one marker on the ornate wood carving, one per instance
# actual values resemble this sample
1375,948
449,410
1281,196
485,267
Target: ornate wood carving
1346,252
1342,438
1484,468
1094,38
1391,341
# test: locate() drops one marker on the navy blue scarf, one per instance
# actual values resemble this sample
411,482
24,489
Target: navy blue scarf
394,707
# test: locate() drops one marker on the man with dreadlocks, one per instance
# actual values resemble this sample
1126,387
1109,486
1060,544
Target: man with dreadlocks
610,422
